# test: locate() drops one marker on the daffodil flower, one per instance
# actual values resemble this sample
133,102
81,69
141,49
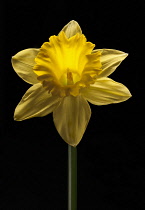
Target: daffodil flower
66,73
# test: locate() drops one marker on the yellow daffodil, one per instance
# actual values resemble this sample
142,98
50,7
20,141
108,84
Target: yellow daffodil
66,74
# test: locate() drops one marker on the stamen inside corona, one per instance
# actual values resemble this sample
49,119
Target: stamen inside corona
69,78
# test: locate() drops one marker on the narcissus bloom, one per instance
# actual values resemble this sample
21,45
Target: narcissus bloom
66,74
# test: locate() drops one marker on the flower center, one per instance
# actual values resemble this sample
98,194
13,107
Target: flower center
65,65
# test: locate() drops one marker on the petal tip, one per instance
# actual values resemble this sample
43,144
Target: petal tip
72,28
129,95
73,145
13,58
16,117
126,54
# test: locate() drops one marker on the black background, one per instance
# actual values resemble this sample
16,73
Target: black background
33,157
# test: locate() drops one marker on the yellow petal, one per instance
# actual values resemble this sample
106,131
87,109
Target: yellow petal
110,60
36,102
23,63
71,118
106,91
71,29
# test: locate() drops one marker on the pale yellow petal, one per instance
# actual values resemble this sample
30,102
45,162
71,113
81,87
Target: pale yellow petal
23,63
110,60
36,102
106,91
72,28
71,118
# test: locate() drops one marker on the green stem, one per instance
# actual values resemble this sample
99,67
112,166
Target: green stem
72,178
